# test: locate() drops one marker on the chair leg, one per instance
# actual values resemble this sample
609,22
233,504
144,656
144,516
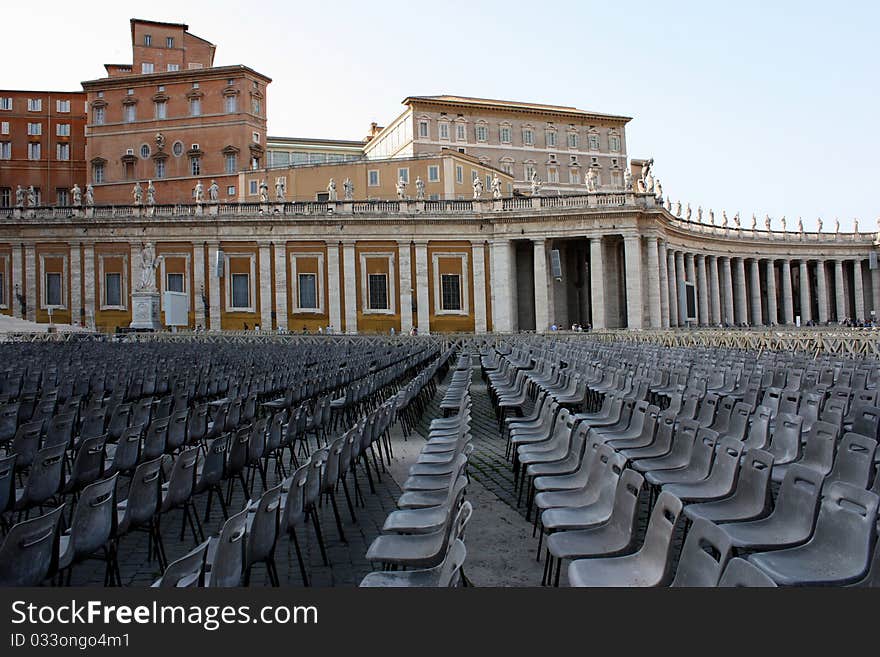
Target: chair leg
317,524
299,556
348,499
338,520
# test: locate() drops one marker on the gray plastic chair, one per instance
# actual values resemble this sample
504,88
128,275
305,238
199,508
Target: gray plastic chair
188,571
139,509
759,430
750,498
854,462
88,466
721,480
840,550
262,534
662,440
442,576
679,453
818,452
44,480
696,469
704,555
293,512
28,554
92,529
7,486
26,443
224,564
125,454
741,573
649,566
785,445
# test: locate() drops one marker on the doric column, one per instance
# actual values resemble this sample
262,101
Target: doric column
424,307
334,292
858,291
703,290
89,284
632,245
822,291
673,288
664,286
742,314
679,288
502,294
30,269
406,288
655,313
75,284
213,286
265,287
787,300
727,272
17,279
281,287
875,293
478,256
199,291
597,282
757,316
839,291
350,282
804,289
691,277
715,290
542,297
772,310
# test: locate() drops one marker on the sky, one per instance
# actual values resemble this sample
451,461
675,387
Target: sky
750,107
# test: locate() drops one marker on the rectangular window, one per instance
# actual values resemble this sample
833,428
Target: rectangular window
4,127
5,202
35,129
5,150
373,178
53,289
529,171
99,116
195,106
252,189
551,139
308,291
505,135
62,106
169,42
450,292
403,174
444,130
129,113
423,129
482,133
256,106
61,197
231,104
160,168
2,288
113,289
62,152
574,177
241,290
552,175
594,142
146,67
98,173
148,39
5,103
174,282
35,104
572,140
174,67
230,191
460,134
161,109
433,173
256,137
528,137
614,143
62,129
195,165
34,151
378,291
459,174
231,163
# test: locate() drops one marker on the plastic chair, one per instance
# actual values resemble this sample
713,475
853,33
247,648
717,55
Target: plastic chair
188,571
741,573
442,576
854,462
818,452
224,565
44,480
749,500
139,509
28,554
92,528
262,534
704,555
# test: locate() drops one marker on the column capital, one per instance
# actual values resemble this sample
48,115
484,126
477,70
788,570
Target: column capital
419,243
478,243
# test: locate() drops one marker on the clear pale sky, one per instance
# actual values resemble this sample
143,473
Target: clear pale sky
749,106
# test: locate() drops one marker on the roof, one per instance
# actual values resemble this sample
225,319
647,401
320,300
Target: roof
204,73
323,142
149,22
518,106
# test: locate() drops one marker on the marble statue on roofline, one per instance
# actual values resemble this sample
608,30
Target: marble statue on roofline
535,183
279,189
199,192
496,186
699,214
264,192
149,263
332,194
687,212
214,192
348,189
767,222
138,193
676,208
151,193
592,180
76,193
420,189
19,196
819,225
90,195
478,187
401,189
783,222
627,180
856,225
800,225
754,221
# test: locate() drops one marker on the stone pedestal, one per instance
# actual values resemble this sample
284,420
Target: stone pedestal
145,311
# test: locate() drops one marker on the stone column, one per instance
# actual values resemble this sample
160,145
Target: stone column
772,310
703,291
75,284
265,287
633,258
30,268
334,291
89,284
597,282
542,297
787,300
17,279
691,277
350,282
673,288
875,293
424,309
213,286
281,287
806,299
729,309
478,271
655,313
757,315
406,289
822,291
858,291
742,311
199,290
502,301
664,286
715,290
679,288
839,291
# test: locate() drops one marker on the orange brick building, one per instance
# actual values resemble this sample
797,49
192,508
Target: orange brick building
42,144
173,118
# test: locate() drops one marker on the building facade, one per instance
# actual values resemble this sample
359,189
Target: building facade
296,151
557,144
606,260
42,145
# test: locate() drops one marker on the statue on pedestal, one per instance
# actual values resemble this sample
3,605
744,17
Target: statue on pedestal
264,192
401,189
279,189
767,222
149,263
800,226
199,192
724,221
627,180
535,183
592,180
420,188
90,195
160,141
699,214
646,182
32,196
676,208
687,212
348,189
819,224
332,195
138,193
782,221
856,225
76,193
711,217
151,193
214,191
754,221
478,187
836,225
496,186
19,196
658,189
736,221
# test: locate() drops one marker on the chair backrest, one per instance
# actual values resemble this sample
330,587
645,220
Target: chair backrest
313,483
94,518
451,567
8,420
854,462
144,495
624,517
60,430
798,495
742,573
197,426
786,442
7,482
88,464
46,475
177,430
819,447
186,571
156,438
867,421
263,531
182,479
847,521
26,442
228,564
704,555
239,449
214,462
661,526
294,507
128,449
28,554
